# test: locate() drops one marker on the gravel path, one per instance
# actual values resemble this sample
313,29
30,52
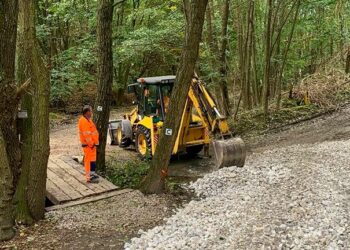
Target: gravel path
290,197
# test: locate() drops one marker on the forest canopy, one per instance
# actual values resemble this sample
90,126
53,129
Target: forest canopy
148,37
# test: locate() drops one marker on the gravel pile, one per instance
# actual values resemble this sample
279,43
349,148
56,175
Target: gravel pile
294,197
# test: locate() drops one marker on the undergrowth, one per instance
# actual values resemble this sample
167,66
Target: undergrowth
253,122
127,174
326,91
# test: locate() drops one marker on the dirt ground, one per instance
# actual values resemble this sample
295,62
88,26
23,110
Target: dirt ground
64,140
108,224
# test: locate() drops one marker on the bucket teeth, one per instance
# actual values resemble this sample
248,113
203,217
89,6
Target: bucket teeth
230,152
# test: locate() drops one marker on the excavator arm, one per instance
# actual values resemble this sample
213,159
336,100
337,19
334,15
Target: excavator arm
228,150
207,109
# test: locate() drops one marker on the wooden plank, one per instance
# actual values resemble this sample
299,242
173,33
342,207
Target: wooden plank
95,187
62,185
80,176
107,184
88,200
53,193
77,185
103,182
78,172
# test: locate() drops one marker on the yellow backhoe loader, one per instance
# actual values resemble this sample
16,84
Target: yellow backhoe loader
201,123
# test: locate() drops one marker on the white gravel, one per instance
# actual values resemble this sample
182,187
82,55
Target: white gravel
293,197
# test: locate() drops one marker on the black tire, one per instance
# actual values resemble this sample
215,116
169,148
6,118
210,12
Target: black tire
121,140
125,142
194,150
143,133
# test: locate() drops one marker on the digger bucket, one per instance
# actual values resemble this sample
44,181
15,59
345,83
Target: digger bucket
229,152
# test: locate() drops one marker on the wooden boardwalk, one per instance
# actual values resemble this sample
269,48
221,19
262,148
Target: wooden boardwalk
66,181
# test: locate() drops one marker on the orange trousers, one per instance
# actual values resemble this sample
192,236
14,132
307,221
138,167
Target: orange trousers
89,159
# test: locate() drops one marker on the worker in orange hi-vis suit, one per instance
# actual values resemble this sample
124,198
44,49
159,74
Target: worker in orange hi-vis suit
89,141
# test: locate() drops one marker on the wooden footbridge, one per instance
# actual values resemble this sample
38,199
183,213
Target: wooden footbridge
66,184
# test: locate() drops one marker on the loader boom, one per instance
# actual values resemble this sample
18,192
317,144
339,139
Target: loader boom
228,150
207,109
201,122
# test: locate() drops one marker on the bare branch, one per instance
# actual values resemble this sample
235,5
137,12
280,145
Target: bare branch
23,88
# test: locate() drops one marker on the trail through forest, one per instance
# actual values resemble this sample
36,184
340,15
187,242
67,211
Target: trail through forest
293,193
302,171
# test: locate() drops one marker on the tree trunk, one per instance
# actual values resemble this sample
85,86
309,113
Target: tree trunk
6,194
35,150
214,50
285,56
9,145
248,54
194,12
255,82
104,76
22,212
347,66
223,61
245,49
266,87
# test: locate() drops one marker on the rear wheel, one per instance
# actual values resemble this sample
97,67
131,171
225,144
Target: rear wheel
194,150
143,142
121,140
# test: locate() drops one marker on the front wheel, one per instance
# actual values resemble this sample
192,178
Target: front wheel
143,142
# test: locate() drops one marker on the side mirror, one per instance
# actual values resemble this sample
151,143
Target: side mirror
131,89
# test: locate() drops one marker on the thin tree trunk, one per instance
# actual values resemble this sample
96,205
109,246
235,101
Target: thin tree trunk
347,66
241,50
255,88
245,45
266,87
104,77
223,61
194,12
285,56
248,53
9,145
213,47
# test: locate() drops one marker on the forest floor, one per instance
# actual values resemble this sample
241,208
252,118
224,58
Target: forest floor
108,224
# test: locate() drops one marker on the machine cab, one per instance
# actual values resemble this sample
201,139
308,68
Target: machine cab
153,95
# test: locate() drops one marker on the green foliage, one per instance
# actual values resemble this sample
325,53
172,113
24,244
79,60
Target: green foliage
128,174
151,41
74,67
148,37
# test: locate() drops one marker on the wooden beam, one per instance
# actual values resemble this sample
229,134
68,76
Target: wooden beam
90,199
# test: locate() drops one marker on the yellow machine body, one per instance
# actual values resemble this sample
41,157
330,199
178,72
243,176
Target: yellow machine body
200,123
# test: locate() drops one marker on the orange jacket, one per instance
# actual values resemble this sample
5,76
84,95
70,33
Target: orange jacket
166,103
88,132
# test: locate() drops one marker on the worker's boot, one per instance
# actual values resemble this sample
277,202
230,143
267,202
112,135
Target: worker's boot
94,175
93,179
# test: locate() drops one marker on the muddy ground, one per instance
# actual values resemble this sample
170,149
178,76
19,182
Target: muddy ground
109,223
